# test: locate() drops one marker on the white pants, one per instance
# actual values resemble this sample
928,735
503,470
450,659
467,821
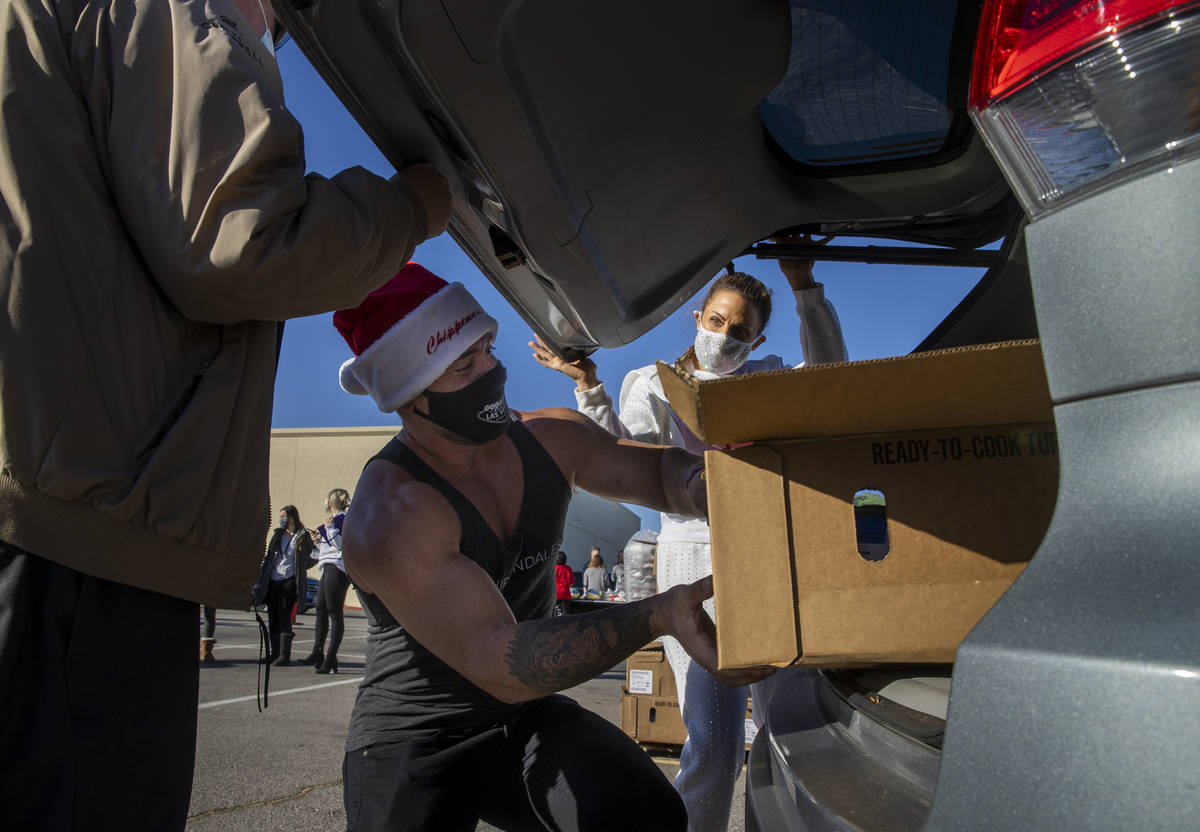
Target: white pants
713,714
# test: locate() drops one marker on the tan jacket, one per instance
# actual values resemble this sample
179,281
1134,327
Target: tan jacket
156,223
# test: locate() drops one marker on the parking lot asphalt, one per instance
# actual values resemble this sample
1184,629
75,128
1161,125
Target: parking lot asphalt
281,769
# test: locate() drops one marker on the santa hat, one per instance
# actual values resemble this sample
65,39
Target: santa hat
407,333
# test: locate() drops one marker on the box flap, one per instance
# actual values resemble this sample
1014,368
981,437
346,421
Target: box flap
629,714
652,652
989,384
751,559
902,623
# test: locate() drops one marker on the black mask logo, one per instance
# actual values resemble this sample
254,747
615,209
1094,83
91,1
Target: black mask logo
478,412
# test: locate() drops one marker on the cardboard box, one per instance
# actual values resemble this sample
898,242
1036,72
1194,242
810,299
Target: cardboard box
959,444
652,719
650,700
648,673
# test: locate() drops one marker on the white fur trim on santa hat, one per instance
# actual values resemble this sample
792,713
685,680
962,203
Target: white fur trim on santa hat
418,348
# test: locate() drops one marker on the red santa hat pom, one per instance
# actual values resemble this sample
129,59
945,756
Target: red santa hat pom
407,333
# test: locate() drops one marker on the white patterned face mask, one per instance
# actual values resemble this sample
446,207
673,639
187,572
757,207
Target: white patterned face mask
719,353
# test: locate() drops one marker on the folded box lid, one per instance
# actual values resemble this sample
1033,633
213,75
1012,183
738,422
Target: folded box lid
988,384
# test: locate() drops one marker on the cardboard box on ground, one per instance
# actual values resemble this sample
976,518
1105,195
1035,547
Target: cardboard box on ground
883,507
650,703
648,673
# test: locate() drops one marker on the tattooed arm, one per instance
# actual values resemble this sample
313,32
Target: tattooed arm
401,544
556,653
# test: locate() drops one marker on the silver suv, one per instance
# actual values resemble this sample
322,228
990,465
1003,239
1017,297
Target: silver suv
608,158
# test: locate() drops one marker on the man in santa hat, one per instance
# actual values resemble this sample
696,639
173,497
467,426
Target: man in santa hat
451,543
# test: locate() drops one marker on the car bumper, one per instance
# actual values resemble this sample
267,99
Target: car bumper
819,763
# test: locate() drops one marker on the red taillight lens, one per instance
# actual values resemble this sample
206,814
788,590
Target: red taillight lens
1020,38
1074,96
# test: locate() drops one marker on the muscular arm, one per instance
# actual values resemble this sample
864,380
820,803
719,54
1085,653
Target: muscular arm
400,544
551,654
620,469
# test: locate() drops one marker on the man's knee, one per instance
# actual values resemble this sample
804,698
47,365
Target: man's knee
647,801
566,745
661,808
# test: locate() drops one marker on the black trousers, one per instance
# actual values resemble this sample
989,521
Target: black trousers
210,622
549,768
280,597
98,691
331,598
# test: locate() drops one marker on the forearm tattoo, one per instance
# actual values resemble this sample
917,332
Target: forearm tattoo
551,654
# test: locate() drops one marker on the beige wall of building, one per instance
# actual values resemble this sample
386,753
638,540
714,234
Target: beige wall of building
307,463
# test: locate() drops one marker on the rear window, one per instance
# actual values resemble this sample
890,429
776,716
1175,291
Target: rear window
868,81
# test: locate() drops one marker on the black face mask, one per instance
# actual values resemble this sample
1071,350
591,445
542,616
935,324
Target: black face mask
478,412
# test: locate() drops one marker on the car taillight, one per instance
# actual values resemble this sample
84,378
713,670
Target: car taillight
1075,96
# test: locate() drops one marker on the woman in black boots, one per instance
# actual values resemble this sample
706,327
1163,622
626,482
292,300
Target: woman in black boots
284,575
331,597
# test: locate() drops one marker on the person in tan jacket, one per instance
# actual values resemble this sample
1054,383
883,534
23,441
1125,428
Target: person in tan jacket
157,224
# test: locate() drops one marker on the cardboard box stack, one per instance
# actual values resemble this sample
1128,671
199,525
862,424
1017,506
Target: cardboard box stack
650,702
883,506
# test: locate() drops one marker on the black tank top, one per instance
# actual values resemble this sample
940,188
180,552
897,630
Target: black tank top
407,691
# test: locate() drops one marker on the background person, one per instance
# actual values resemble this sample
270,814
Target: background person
331,595
156,209
284,576
453,533
563,579
618,576
729,326
208,634
595,577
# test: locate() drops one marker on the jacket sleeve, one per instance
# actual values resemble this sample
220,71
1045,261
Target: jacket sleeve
821,336
208,169
335,533
597,405
643,416
305,550
643,413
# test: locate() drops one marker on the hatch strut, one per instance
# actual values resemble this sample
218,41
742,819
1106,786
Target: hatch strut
897,255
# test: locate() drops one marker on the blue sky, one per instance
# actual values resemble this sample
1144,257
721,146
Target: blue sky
885,310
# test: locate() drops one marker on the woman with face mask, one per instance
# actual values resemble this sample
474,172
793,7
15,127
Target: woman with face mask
284,576
729,327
